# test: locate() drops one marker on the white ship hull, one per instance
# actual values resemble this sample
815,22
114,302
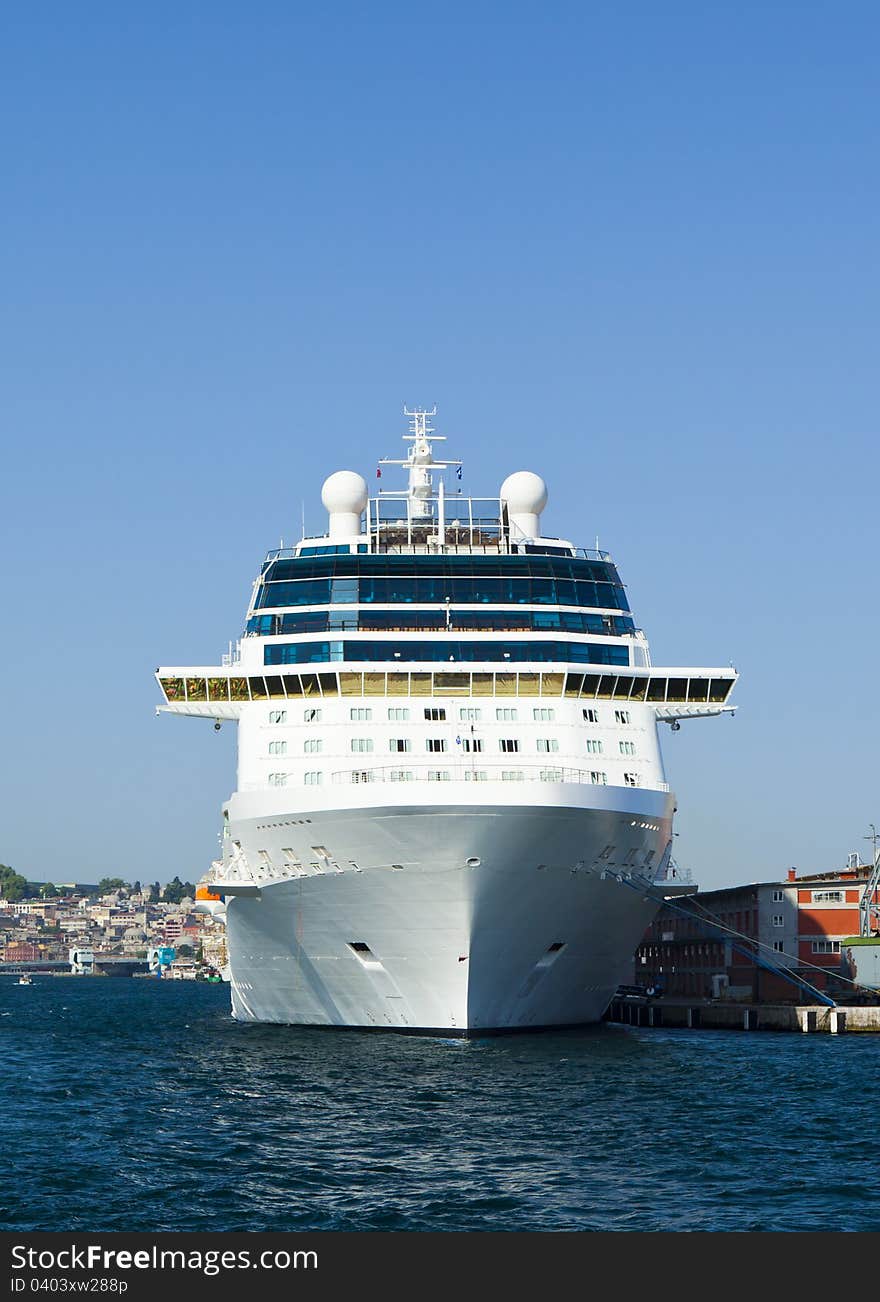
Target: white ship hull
475,916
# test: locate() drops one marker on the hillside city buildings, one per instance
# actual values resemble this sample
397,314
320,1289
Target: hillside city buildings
124,924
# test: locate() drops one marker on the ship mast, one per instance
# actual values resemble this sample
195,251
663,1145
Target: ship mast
420,461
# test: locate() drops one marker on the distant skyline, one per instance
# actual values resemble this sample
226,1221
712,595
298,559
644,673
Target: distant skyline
631,248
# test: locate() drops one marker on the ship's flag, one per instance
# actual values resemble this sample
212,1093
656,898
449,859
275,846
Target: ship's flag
458,472
378,472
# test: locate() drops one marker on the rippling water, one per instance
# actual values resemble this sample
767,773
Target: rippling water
140,1105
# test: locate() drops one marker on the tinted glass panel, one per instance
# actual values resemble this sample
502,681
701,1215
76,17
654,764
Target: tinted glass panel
296,653
518,579
322,621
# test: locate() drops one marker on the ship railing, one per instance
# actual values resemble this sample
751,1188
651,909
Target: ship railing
478,547
476,772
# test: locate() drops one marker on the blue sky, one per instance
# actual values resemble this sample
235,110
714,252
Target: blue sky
632,247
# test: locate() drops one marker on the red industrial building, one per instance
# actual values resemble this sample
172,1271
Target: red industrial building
798,926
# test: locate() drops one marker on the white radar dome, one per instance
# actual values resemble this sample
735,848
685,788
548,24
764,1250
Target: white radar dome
344,496
525,495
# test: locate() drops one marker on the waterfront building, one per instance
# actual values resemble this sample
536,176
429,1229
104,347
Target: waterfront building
799,926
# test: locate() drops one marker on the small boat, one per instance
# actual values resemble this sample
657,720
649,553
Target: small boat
25,980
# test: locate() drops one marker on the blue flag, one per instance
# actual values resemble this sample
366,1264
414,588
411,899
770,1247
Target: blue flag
458,472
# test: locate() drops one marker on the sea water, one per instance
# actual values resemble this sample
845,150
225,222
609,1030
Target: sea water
137,1104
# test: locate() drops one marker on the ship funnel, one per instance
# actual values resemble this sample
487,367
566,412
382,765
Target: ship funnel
344,496
525,496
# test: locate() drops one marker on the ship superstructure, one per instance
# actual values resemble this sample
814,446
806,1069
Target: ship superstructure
451,809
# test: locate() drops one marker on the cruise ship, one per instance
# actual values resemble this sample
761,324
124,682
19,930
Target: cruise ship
451,813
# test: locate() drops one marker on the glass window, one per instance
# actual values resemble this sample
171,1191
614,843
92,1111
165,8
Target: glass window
313,746
593,747
543,714
313,779
626,747
631,779
435,713
547,744
506,714
436,744
472,745
311,715
469,713
600,779
277,747
591,716
509,744
278,716
399,744
398,713
360,713
361,744
277,779
621,716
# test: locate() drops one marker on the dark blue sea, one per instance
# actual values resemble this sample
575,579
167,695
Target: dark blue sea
140,1105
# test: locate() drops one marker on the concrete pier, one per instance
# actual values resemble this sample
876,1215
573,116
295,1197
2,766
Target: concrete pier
728,1016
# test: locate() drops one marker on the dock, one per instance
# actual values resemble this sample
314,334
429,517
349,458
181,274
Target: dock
724,1015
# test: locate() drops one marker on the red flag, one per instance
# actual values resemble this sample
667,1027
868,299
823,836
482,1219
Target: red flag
378,472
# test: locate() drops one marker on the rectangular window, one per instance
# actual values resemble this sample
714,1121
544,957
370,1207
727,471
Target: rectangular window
778,897
401,775
435,713
543,714
506,714
278,716
600,779
277,779
594,747
360,713
312,746
621,716
400,744
313,779
826,947
779,946
470,714
398,714
626,748
473,745
511,775
311,716
361,744
476,775
277,747
777,920
438,775
436,744
828,897
631,779
548,745
591,716
509,745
